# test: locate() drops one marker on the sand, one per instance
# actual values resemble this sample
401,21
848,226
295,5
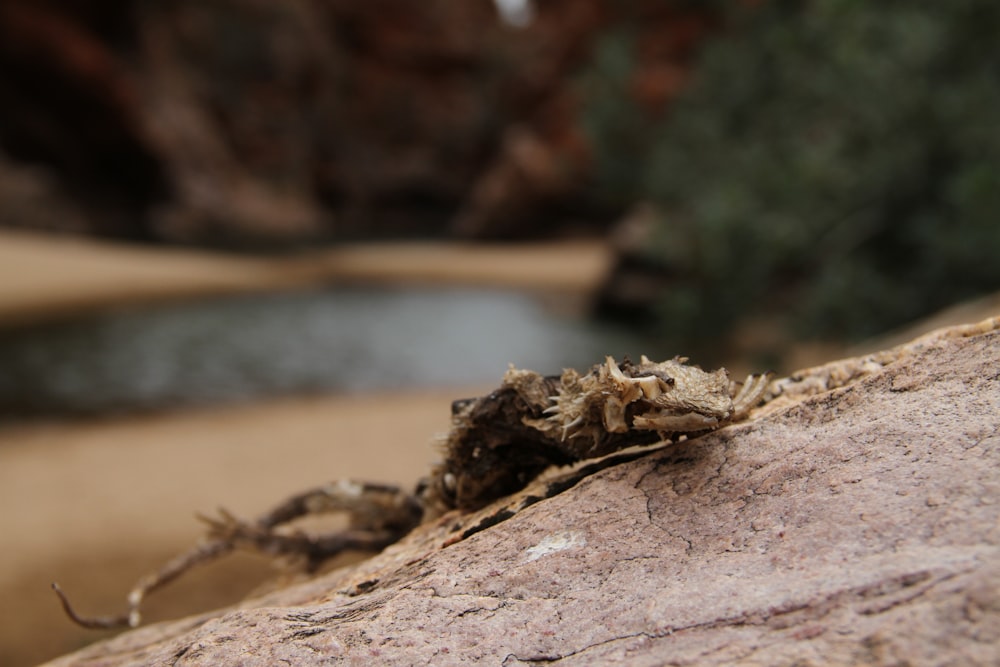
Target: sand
95,504
45,276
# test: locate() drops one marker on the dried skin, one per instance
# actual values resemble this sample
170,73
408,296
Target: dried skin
498,444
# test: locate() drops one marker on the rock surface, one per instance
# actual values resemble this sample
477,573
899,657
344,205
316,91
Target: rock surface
855,519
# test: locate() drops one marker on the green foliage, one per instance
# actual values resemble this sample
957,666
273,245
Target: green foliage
836,163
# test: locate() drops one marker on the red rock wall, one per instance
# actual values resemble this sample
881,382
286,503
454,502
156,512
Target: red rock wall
232,120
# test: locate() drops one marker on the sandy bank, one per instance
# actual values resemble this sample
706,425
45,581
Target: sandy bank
94,505
43,276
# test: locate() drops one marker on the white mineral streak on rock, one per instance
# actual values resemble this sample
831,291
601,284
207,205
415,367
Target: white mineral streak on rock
550,544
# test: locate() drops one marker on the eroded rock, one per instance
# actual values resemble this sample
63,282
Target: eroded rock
853,520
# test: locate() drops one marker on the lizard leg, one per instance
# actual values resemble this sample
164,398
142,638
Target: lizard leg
750,394
379,515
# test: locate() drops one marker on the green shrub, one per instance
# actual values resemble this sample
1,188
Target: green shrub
835,164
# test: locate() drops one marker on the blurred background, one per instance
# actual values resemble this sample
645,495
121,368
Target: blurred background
248,247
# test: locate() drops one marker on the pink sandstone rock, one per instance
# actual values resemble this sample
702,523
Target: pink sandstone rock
853,520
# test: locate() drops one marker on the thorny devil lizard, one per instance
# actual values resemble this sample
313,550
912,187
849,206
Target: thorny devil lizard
497,444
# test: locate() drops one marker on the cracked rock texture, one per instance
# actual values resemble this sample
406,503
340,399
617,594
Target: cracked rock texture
852,525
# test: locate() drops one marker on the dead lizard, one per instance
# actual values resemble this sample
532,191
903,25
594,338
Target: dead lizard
497,444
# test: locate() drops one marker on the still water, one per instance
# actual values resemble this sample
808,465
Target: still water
334,340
